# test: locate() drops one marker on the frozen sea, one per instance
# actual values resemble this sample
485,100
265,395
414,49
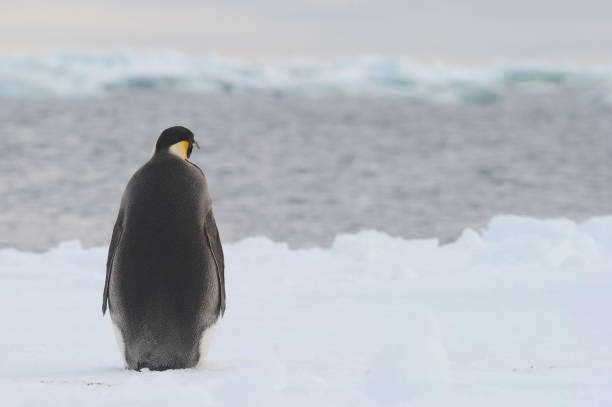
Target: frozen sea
301,168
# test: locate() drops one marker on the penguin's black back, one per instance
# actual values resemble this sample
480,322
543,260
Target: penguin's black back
164,288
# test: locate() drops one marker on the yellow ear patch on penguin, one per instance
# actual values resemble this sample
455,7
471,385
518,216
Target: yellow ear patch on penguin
180,149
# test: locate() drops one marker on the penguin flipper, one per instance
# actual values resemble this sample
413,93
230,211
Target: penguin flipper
117,232
214,243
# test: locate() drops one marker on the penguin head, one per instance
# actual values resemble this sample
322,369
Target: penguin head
178,140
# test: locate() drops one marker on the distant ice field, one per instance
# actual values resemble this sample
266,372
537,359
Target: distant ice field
514,314
79,74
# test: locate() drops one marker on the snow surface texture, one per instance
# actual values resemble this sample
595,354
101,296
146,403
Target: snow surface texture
518,315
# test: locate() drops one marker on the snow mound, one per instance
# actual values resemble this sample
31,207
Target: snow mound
514,315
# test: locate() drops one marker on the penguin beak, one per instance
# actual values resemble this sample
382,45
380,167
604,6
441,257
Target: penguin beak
195,143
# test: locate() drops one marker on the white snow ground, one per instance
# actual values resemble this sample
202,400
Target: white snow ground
516,316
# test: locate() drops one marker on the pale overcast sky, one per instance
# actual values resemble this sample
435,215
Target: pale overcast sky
452,31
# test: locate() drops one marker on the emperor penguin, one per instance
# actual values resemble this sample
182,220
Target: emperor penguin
165,284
